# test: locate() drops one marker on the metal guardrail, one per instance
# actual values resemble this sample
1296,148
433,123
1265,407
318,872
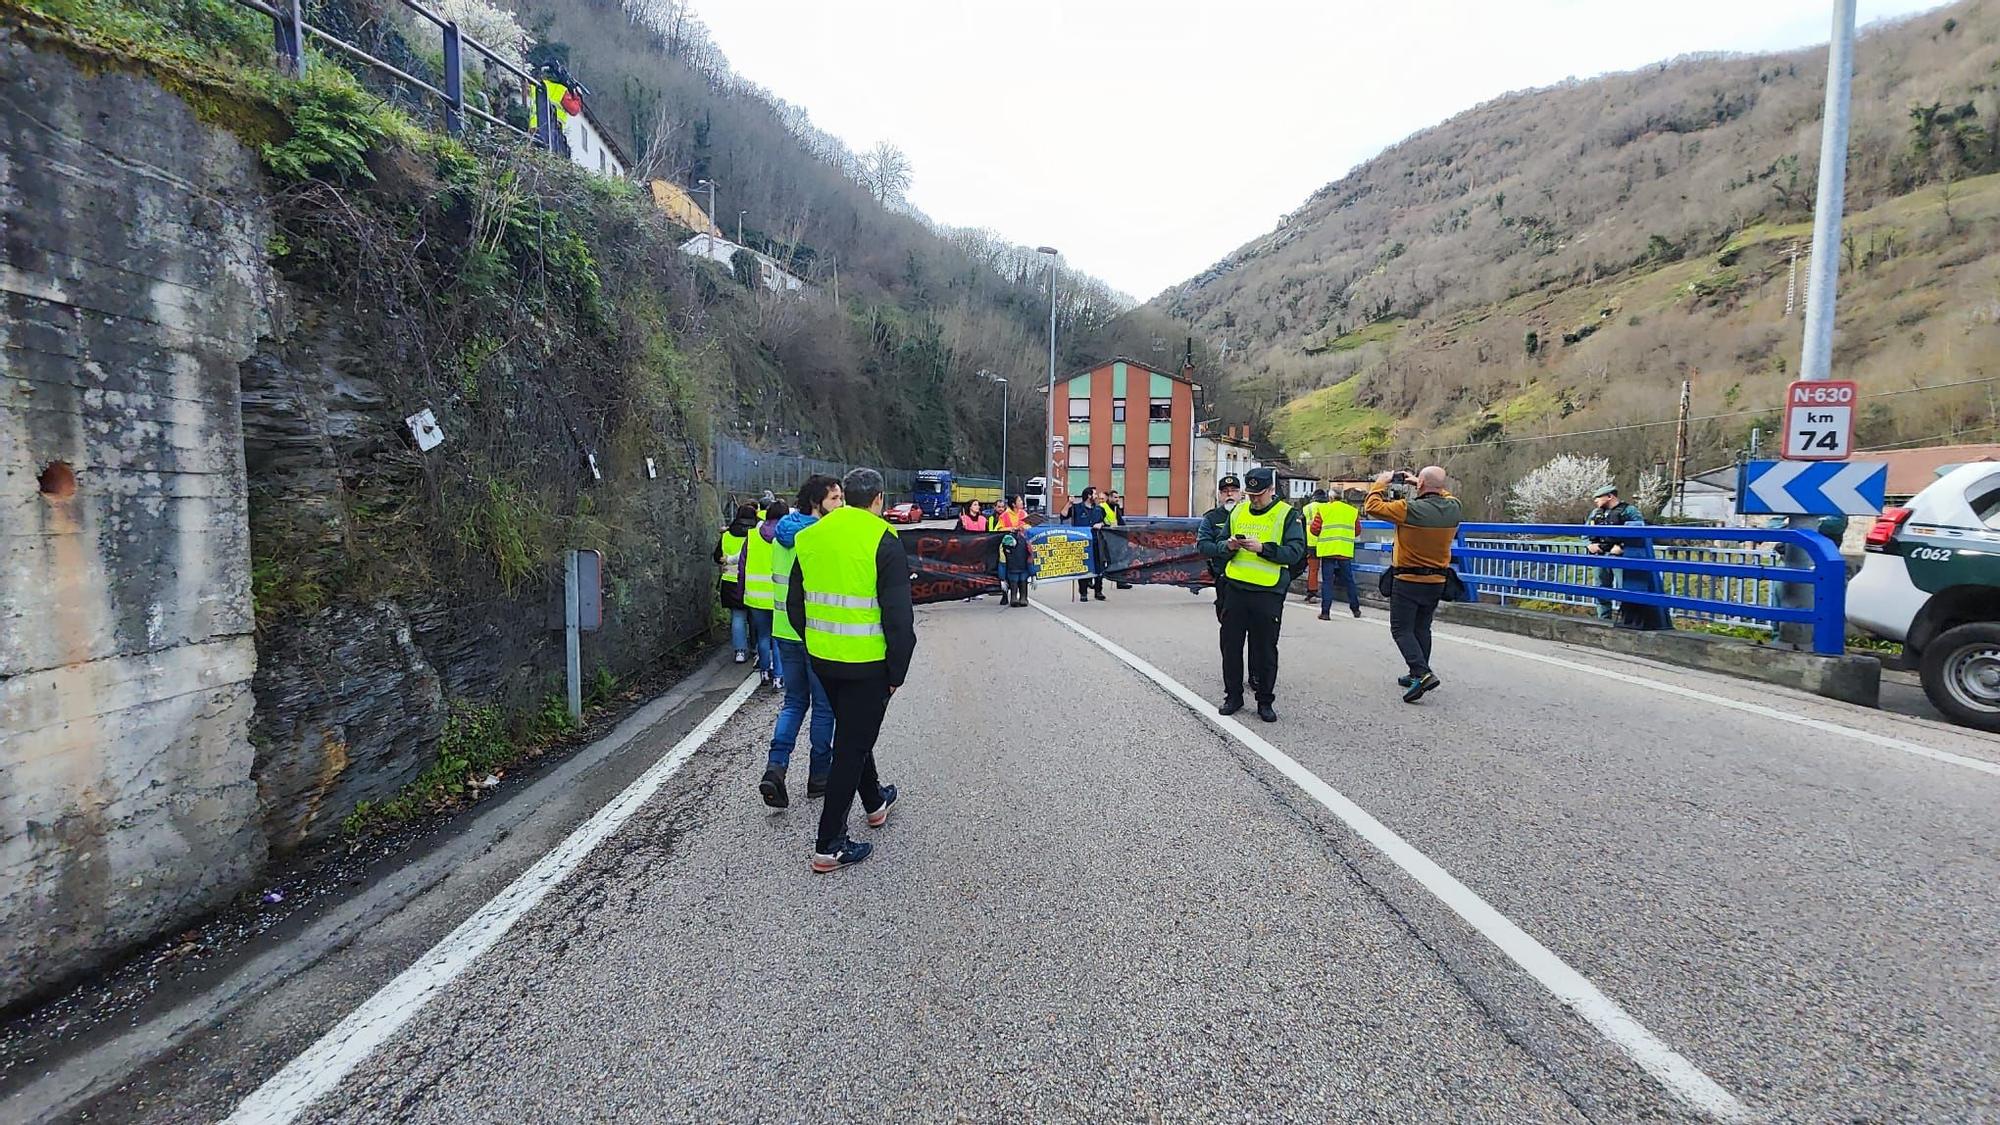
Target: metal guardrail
1700,575
289,30
743,471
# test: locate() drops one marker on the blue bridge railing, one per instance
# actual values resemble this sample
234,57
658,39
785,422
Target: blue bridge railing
1707,572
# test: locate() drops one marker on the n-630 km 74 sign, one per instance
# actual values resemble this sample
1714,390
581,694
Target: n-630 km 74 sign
1819,420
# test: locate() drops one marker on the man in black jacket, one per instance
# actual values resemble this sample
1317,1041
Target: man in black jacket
850,599
1265,547
1215,529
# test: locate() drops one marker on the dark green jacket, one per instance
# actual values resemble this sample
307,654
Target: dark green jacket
1289,552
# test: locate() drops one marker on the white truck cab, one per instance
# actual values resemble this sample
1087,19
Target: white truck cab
1931,579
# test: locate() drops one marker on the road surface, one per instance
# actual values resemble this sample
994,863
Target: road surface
1569,886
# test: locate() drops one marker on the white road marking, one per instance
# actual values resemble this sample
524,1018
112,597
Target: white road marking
321,1066
1887,742
1669,1068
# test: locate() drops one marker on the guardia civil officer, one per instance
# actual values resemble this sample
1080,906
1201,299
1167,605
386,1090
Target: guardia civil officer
1265,547
850,598
1215,529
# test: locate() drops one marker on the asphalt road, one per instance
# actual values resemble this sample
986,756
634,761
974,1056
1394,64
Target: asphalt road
1095,903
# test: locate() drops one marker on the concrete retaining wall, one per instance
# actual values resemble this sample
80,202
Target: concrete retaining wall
133,274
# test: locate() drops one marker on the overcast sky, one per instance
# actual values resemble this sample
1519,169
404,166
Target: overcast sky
1148,138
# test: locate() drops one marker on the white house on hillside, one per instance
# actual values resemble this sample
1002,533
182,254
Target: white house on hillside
591,146
724,251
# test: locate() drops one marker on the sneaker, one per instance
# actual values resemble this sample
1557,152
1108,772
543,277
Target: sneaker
741,657
880,816
1356,609
1267,713
1427,683
1405,681
773,789
843,853
1100,597
1324,617
1229,707
815,787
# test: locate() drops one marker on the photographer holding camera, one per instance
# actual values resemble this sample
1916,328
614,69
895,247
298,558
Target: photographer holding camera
1426,519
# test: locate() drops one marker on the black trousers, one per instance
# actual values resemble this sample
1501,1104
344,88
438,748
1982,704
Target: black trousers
858,707
1253,616
1083,587
1411,609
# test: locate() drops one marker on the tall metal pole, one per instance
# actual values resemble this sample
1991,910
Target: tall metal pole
1003,441
1049,434
1823,270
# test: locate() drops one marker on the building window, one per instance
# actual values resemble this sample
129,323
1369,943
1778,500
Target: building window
1156,505
1117,456
1161,410
1079,410
1079,457
1159,457
1117,410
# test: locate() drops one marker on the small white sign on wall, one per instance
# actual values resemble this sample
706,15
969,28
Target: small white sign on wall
424,428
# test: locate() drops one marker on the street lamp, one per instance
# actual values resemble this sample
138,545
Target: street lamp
992,378
707,235
1049,435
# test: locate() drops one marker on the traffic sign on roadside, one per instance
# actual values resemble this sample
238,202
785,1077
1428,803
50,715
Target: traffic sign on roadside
1819,420
1796,488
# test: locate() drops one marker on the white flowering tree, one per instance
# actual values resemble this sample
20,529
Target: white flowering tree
1561,490
1653,491
496,29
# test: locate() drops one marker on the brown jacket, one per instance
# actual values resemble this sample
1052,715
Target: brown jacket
1425,528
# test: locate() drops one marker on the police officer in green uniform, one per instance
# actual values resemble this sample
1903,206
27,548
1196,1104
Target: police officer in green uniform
850,598
1265,547
1608,510
1215,529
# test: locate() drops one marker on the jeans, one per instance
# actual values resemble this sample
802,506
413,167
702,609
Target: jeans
858,707
766,644
1330,568
1607,578
803,693
1253,616
1411,609
739,629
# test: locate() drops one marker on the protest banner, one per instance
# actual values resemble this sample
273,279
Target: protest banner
951,565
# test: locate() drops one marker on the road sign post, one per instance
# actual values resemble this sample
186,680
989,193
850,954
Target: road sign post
1819,420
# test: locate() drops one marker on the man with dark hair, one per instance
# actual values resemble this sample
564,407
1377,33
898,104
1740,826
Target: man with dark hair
803,691
850,598
1608,509
1088,511
1266,544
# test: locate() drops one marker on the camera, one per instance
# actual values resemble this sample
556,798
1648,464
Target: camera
1400,476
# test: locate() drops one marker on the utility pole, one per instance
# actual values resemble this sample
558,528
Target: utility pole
1049,433
708,236
992,378
739,226
1792,283
1681,450
1823,267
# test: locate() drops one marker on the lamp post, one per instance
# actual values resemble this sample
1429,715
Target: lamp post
707,235
739,226
1049,435
992,378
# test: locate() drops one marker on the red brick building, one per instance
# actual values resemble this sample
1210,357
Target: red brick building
1123,425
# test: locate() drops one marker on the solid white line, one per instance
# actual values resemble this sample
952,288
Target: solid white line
1887,742
1676,1073
321,1066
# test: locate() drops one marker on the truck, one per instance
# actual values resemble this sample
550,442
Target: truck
939,492
1036,498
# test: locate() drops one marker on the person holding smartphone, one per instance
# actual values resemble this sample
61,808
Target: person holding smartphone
1266,545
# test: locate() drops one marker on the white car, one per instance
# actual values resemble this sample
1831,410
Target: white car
1931,579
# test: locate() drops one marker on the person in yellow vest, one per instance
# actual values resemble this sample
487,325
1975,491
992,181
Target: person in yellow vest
1332,528
850,598
1309,515
759,590
729,555
804,694
1266,545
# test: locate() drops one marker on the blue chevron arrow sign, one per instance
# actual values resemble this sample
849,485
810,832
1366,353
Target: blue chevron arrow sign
1811,488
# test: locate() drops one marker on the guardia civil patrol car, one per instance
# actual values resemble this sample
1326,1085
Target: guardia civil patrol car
1931,579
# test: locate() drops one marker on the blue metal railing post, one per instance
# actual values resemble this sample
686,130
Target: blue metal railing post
454,82
288,33
545,118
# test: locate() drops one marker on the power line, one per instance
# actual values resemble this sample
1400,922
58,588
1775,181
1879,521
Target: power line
1632,425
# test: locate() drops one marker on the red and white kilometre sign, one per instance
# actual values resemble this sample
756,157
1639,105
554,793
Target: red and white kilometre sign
1819,420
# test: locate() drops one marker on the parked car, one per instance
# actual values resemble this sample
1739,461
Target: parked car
1931,579
905,512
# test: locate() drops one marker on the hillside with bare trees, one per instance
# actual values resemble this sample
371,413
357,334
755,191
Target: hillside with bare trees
1556,262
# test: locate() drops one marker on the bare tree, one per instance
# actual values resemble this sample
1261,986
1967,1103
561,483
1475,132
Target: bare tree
886,172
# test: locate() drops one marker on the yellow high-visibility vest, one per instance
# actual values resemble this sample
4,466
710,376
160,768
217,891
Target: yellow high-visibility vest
757,588
1306,514
732,557
836,559
781,592
1337,524
1269,527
